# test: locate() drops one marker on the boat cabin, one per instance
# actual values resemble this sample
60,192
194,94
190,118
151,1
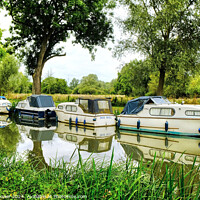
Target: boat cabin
95,106
37,101
40,101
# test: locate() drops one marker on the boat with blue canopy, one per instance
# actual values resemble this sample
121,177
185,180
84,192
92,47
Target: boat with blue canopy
36,107
156,114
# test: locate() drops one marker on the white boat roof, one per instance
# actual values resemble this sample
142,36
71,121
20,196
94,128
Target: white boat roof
67,103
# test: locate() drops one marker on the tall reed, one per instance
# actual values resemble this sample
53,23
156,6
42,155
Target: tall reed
93,179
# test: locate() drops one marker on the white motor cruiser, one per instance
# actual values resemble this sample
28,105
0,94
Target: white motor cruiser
156,114
87,112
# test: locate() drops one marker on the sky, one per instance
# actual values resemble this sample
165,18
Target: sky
77,62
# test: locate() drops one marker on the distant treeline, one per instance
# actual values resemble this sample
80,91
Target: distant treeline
136,78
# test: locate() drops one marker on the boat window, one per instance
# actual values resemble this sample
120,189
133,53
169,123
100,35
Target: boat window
162,111
192,113
60,107
68,108
160,100
74,108
192,158
71,108
84,104
3,104
71,138
23,105
103,146
103,106
162,154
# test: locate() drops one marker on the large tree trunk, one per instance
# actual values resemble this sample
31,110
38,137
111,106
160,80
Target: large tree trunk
36,89
161,81
38,71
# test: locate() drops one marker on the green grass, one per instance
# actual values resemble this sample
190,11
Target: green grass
117,110
92,179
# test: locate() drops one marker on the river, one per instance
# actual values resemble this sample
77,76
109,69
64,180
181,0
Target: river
55,141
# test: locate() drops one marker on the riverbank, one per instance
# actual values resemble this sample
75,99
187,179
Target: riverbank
96,180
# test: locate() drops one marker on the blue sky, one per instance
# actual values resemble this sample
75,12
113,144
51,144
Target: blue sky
77,62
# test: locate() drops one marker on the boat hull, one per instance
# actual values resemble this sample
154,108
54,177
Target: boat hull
93,120
173,126
36,114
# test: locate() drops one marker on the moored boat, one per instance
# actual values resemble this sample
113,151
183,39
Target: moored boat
36,107
156,114
87,112
5,105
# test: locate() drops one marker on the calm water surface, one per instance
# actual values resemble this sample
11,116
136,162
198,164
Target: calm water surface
54,141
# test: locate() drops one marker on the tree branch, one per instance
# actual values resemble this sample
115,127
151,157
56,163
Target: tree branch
54,55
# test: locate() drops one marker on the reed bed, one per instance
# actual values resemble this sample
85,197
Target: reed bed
91,179
117,100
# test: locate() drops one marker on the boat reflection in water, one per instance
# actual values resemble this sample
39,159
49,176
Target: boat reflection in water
183,150
4,121
93,140
37,131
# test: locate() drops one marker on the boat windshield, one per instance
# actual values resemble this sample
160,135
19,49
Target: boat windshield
40,101
95,106
160,100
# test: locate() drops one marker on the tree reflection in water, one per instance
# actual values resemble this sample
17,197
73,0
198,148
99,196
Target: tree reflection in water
9,134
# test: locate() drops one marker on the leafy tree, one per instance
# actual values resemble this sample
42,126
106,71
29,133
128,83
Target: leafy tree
25,86
107,87
61,86
74,83
133,78
193,88
9,137
90,85
2,49
176,84
166,32
48,85
51,85
38,26
19,83
8,67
